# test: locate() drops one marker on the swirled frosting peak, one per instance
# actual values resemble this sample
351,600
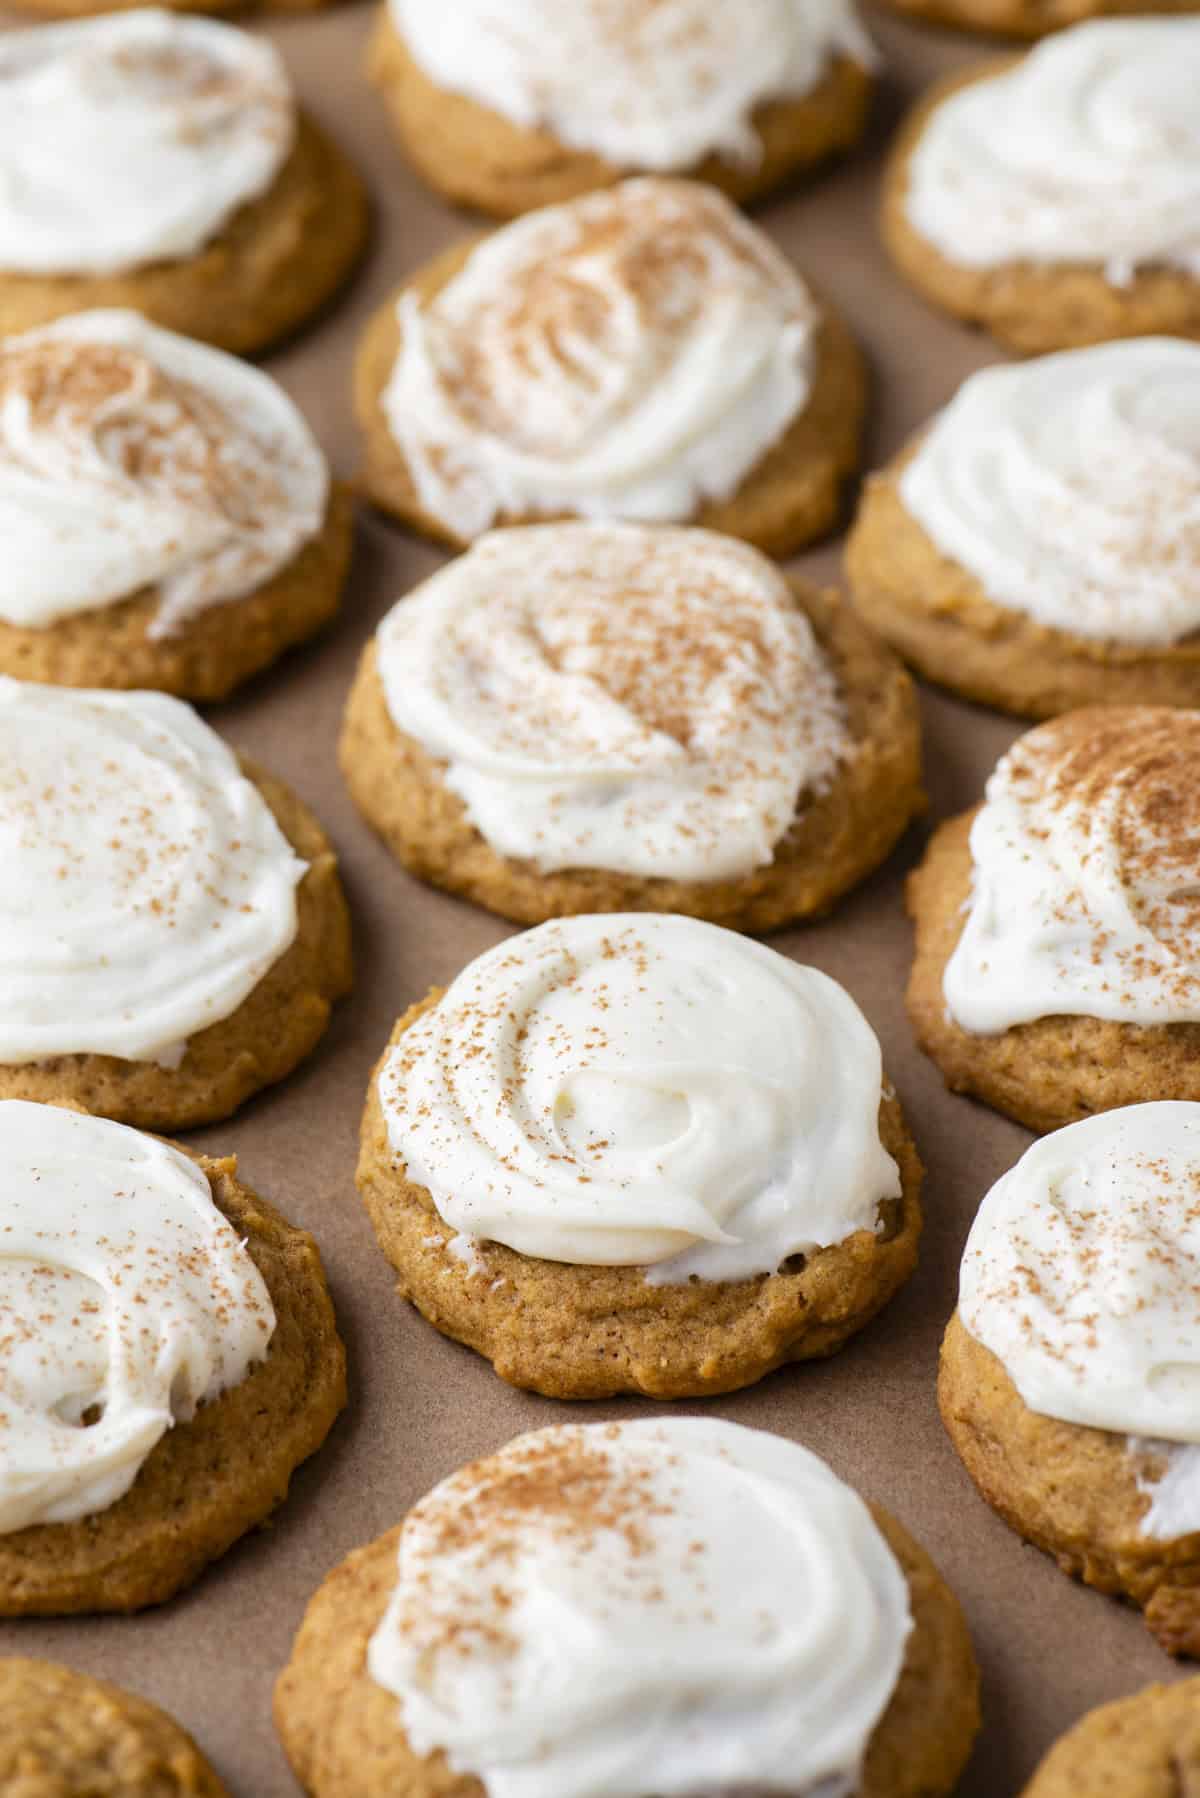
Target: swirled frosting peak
650,700
648,84
132,459
127,1299
133,138
643,1091
1086,151
1085,897
628,355
725,1615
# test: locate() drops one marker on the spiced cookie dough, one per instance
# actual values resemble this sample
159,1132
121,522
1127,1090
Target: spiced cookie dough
183,552
627,1088
526,104
643,353
1147,1746
173,932
612,718
1037,547
1031,197
157,162
170,1358
1058,926
1067,1379
425,1675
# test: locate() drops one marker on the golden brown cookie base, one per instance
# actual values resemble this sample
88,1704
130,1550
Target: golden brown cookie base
791,496
215,651
272,1030
342,1734
1030,18
1054,1070
205,1483
277,261
1147,1746
936,614
476,157
1031,307
836,839
1070,1490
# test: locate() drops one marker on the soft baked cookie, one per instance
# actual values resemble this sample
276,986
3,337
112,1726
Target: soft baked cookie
643,353
525,103
687,1660
1057,967
173,932
183,551
64,1734
170,1356
1054,198
1068,1373
1147,1746
1037,547
1029,18
616,718
158,162
640,1154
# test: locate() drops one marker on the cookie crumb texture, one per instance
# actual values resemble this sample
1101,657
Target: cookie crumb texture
1147,1746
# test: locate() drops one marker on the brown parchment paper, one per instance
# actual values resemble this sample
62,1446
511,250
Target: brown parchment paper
421,1405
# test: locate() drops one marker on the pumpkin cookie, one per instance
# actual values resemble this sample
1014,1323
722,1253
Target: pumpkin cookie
428,1675
614,718
1037,548
643,353
170,1357
172,928
1032,197
1147,1746
1068,1372
1057,968
573,1158
523,104
160,163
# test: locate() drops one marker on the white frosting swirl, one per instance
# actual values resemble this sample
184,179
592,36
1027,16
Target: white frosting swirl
145,887
609,696
1088,150
643,1091
1069,487
647,84
681,1663
1084,898
124,1291
133,138
625,356
131,458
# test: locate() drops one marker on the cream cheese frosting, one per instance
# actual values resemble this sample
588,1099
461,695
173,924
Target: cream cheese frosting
643,1091
651,701
1086,151
647,84
145,887
133,138
1069,486
134,459
1084,898
128,1300
628,355
681,1606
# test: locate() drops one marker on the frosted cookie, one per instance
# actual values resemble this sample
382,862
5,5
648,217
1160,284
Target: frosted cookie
1147,1746
612,718
1069,1371
167,516
1056,199
169,1357
1057,966
640,1154
735,1618
643,353
513,104
158,162
172,928
1038,546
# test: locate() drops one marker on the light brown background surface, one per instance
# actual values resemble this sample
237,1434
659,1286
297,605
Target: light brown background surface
421,1405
